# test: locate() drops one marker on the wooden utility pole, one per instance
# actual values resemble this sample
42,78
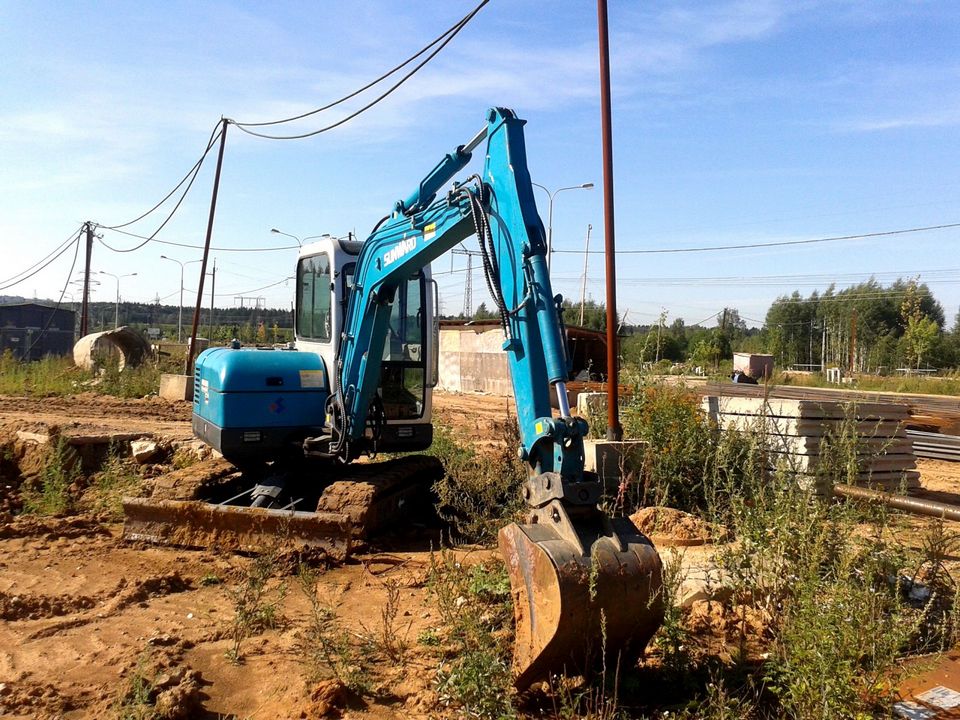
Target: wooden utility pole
583,283
85,305
614,429
853,339
213,289
191,350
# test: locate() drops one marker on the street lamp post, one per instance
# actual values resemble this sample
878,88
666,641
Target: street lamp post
300,241
116,311
180,314
584,186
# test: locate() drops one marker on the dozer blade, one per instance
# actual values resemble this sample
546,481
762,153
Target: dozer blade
190,523
573,607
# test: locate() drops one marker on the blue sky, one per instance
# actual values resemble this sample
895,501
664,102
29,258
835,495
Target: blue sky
734,122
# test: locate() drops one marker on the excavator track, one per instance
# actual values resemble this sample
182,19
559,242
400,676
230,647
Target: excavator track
376,496
363,500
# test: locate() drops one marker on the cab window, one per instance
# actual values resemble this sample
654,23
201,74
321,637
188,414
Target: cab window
313,298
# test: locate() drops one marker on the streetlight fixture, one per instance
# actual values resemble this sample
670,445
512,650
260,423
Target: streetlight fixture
584,186
116,311
300,241
180,314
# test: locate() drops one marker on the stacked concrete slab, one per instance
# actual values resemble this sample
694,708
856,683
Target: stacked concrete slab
473,361
799,433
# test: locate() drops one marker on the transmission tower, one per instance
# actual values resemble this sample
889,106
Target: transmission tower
468,284
468,289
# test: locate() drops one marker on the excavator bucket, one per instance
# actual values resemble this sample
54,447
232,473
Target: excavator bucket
190,523
579,598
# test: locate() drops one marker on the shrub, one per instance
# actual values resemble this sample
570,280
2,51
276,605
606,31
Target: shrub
479,492
51,493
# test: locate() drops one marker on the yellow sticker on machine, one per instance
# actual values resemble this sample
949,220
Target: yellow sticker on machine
539,428
311,379
429,231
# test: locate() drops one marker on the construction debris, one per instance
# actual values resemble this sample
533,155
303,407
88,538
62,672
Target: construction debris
808,437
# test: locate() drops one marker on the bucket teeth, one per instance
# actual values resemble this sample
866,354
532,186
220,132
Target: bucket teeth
571,609
188,523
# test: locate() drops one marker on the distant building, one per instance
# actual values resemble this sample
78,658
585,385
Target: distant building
31,330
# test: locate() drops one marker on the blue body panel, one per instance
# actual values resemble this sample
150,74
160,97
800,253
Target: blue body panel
253,388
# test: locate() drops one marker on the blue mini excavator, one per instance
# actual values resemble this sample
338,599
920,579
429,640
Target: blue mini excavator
359,382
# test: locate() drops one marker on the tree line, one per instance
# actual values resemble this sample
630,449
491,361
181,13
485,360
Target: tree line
869,327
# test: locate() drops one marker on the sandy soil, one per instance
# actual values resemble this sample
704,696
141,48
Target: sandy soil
80,611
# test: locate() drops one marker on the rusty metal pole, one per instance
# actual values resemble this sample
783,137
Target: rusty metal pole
85,307
614,429
206,251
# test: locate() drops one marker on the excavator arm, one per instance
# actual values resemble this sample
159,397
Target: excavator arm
583,584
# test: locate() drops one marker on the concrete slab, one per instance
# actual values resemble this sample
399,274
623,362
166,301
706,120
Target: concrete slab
610,459
176,387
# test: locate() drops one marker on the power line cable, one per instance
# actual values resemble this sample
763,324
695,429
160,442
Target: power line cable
193,171
198,247
448,36
265,287
929,275
63,292
61,250
169,217
780,243
366,87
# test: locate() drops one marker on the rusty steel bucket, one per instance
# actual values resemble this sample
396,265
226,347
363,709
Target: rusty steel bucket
586,589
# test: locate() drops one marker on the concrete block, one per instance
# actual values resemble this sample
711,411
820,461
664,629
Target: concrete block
592,404
143,450
176,387
700,577
611,458
32,437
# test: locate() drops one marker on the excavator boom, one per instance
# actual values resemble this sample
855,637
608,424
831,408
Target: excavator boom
583,584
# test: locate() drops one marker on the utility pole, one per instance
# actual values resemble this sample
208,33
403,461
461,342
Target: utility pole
85,308
853,339
191,350
583,283
614,429
663,314
823,348
213,288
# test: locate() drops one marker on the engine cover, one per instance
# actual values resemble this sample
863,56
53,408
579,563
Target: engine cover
254,404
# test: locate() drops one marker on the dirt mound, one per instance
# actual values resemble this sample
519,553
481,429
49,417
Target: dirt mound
188,483
142,590
720,627
670,527
50,528
34,607
33,700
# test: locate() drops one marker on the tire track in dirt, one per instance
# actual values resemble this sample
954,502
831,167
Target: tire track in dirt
123,597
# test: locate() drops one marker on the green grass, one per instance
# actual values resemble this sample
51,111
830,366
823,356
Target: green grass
118,477
58,376
940,385
474,605
51,493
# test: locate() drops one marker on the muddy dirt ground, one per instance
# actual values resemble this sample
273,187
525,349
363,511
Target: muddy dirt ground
83,614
